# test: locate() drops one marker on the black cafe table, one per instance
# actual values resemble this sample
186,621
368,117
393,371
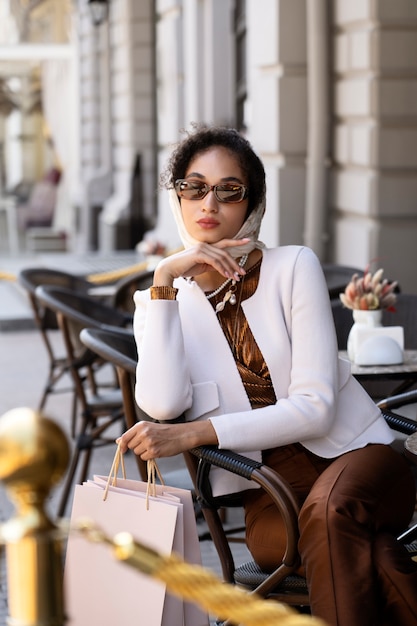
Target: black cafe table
405,373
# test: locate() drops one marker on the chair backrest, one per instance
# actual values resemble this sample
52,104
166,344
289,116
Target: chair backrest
126,287
80,307
76,311
119,348
30,278
405,315
337,277
343,321
116,346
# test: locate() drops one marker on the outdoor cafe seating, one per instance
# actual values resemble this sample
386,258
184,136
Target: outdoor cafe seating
283,584
100,406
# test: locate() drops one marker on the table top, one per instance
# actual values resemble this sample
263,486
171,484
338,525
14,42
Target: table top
410,447
408,368
406,372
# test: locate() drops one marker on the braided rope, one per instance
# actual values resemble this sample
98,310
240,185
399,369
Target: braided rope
226,601
199,585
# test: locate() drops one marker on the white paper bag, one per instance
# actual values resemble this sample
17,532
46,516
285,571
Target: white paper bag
99,589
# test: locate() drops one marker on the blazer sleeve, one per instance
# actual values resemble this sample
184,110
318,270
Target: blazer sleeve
162,371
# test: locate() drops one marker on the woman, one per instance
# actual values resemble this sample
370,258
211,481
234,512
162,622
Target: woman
240,338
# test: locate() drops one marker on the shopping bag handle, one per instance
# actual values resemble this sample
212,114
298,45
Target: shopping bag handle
118,461
152,470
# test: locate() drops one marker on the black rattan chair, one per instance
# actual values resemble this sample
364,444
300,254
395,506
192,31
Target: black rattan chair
120,350
124,289
46,322
337,277
100,407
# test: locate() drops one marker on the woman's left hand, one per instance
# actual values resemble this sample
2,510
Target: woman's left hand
151,440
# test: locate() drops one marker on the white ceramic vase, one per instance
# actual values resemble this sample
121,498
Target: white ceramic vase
369,319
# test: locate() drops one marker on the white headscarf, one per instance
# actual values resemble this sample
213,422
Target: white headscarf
250,228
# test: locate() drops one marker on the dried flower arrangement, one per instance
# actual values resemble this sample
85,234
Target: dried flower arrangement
369,292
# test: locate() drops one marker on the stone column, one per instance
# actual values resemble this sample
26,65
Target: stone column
375,141
195,69
276,115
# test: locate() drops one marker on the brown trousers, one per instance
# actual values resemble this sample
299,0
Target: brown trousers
353,507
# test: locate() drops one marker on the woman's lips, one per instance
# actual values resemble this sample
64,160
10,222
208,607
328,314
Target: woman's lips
208,224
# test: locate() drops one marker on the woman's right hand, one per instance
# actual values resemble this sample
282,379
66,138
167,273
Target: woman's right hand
199,259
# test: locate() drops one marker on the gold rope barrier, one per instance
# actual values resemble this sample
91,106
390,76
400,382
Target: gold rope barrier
199,585
34,456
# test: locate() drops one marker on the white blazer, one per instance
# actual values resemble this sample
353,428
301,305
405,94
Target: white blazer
185,365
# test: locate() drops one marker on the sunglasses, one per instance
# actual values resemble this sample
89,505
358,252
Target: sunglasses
197,190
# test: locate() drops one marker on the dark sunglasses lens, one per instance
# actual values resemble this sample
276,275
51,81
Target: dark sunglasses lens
195,190
230,193
190,191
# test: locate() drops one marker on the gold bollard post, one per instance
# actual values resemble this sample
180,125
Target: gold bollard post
34,454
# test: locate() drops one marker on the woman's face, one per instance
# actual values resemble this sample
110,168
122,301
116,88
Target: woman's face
209,220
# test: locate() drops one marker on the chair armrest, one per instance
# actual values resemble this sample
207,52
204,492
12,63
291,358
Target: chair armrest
243,466
399,423
228,460
400,399
277,487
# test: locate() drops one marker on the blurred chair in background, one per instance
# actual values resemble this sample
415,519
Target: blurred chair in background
119,349
124,289
46,322
100,406
337,277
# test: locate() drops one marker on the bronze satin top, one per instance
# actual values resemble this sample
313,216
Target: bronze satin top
249,360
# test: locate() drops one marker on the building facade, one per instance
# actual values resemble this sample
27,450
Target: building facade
325,90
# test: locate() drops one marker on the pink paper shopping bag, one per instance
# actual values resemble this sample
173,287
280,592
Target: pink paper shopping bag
101,590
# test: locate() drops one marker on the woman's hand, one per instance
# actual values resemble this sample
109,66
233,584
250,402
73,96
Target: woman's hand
151,440
202,258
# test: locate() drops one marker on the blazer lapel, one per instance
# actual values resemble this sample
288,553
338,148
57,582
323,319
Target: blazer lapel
207,348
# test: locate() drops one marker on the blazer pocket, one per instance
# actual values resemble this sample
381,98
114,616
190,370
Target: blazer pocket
205,400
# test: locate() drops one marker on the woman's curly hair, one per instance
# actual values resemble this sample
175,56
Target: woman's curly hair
201,139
